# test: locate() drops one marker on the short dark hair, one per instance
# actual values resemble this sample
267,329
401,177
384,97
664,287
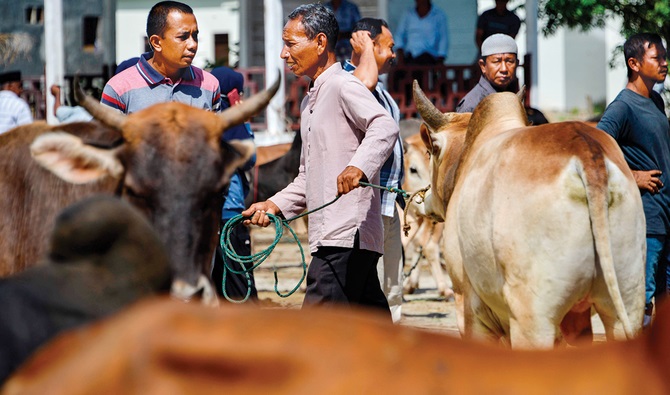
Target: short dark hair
157,19
316,19
637,45
371,25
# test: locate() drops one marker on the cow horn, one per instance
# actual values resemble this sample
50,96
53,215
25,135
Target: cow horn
235,115
101,112
430,114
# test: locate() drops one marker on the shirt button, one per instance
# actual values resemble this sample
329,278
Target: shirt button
311,111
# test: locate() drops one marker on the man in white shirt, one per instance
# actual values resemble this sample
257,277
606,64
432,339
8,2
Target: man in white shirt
14,111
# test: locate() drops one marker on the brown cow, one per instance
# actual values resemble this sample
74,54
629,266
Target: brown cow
167,347
268,153
171,163
30,196
103,256
541,223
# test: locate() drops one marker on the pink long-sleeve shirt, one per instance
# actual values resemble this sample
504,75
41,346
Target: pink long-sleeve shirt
341,125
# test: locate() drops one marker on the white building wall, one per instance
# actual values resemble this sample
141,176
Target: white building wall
616,78
214,17
585,69
551,88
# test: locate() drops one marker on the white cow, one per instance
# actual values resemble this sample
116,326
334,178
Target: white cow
423,240
540,222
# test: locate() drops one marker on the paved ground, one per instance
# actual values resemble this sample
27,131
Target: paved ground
423,309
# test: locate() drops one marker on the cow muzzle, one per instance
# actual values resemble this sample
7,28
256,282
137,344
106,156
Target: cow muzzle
433,207
186,292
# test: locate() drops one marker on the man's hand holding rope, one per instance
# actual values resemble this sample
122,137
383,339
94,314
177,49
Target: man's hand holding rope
349,180
257,213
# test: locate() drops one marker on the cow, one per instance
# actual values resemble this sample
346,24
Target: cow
423,240
268,153
103,255
268,178
541,223
169,161
162,346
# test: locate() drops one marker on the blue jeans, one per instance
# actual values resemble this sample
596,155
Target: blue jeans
656,254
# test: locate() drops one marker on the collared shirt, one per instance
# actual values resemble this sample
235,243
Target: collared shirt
141,86
640,127
476,94
391,174
430,34
341,125
14,111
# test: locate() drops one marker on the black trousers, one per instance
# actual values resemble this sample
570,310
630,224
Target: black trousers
345,276
236,284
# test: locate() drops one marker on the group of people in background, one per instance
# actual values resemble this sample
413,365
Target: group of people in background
349,124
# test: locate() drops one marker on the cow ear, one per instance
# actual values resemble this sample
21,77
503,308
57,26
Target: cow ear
429,140
70,159
235,154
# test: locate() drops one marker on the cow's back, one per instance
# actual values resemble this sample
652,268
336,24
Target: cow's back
30,196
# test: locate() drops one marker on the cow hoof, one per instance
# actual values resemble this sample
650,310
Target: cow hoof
447,293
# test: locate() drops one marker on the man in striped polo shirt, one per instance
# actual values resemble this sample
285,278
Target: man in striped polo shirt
14,111
166,73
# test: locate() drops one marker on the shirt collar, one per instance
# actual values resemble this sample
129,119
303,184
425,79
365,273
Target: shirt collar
488,88
324,76
153,77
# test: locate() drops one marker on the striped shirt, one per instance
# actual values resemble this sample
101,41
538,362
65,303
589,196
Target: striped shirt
391,174
141,86
14,111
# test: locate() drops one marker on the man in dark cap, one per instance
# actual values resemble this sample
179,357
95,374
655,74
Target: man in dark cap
14,111
231,84
498,64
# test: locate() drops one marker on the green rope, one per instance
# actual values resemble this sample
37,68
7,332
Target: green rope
399,191
254,260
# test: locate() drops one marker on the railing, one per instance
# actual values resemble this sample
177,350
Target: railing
444,85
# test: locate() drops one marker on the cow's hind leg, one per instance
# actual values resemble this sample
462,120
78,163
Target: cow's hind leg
611,322
531,322
478,320
536,332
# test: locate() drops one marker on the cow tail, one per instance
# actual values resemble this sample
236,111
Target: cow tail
596,182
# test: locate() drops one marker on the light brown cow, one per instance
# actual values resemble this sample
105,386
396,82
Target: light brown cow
167,347
170,162
540,222
268,153
423,240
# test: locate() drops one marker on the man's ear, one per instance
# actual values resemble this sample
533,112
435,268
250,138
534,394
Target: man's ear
321,42
155,42
482,65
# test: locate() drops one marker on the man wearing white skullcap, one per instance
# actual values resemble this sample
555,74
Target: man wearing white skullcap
498,64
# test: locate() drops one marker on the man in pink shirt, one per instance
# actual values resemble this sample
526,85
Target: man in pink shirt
347,136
